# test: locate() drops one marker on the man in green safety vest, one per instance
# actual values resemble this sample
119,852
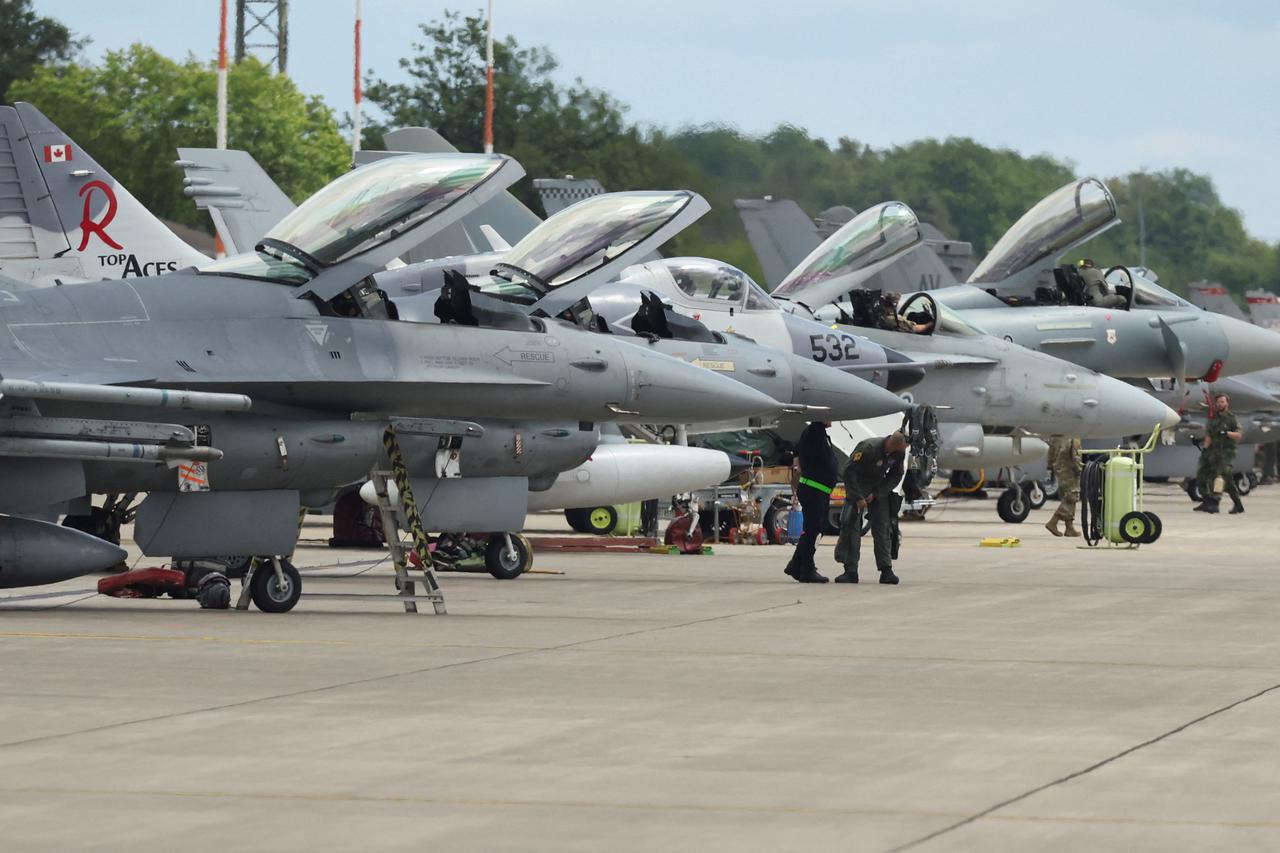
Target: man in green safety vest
817,479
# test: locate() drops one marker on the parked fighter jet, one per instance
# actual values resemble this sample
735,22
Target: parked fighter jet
298,324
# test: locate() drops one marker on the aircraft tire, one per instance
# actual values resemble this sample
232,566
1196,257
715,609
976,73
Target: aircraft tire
503,564
1035,494
1193,490
270,596
1243,484
1012,506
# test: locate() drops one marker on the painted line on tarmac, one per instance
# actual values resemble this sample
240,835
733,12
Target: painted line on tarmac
1214,666
706,808
987,812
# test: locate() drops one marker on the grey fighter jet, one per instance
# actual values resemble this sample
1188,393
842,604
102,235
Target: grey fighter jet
298,326
975,378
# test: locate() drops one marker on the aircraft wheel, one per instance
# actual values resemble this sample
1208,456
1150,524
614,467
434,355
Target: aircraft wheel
1135,527
1155,530
270,595
1243,484
577,519
508,563
1193,490
601,520
1050,486
1012,506
1035,494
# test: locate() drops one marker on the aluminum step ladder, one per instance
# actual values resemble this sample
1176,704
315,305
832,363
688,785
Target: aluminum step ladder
405,582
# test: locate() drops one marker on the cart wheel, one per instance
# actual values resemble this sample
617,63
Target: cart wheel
507,563
1243,484
1135,528
601,520
1155,529
778,522
1035,494
215,594
270,595
762,538
1012,506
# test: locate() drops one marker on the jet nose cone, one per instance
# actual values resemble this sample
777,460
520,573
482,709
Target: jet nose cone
1249,347
666,389
845,396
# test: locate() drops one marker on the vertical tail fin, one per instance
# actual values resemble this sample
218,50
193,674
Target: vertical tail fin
781,234
1212,296
242,200
99,228
1264,308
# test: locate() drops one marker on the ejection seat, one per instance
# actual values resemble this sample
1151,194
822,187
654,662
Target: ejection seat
656,320
1071,284
463,305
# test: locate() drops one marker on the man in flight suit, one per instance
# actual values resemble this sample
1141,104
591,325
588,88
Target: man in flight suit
817,479
1096,292
873,471
1218,457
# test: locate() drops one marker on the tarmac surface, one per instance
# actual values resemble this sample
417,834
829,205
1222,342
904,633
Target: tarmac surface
1041,697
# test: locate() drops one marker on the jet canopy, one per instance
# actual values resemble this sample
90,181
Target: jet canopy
847,257
1064,218
1145,293
364,210
705,280
590,234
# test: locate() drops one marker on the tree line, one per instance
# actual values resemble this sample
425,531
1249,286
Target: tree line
134,107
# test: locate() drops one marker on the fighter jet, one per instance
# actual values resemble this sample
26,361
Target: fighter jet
297,325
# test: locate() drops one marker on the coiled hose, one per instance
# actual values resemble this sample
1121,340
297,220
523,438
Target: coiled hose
1091,480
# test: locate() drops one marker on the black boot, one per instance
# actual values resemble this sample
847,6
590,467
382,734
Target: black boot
1236,506
849,576
887,576
1211,506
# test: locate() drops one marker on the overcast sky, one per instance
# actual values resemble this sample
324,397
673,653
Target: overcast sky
1110,86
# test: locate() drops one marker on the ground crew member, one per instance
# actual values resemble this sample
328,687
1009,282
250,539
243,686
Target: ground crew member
1096,292
817,479
873,472
1066,464
1218,457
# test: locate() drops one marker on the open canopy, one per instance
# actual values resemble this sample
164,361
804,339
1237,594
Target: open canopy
1066,217
862,246
586,244
370,212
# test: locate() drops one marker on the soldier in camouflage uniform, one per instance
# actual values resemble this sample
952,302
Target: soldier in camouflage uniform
1066,464
1218,457
874,469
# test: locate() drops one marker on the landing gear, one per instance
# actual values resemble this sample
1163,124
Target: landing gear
104,522
508,556
1243,483
1013,507
273,583
1035,494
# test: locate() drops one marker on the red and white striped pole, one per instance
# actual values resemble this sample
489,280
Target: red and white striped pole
488,83
222,79
356,116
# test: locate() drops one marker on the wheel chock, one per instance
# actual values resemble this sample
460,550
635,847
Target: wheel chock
1000,542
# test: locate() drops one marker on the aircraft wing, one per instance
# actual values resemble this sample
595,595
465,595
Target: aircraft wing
240,196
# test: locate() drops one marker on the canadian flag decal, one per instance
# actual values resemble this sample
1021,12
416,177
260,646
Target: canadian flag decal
57,153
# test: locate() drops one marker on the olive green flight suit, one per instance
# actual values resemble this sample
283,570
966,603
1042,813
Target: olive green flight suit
871,472
1096,292
1219,458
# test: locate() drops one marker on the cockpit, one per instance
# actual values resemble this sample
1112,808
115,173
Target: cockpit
705,280
1064,218
918,314
1143,290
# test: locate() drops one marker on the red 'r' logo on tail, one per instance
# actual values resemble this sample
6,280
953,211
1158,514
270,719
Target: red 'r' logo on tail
87,225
